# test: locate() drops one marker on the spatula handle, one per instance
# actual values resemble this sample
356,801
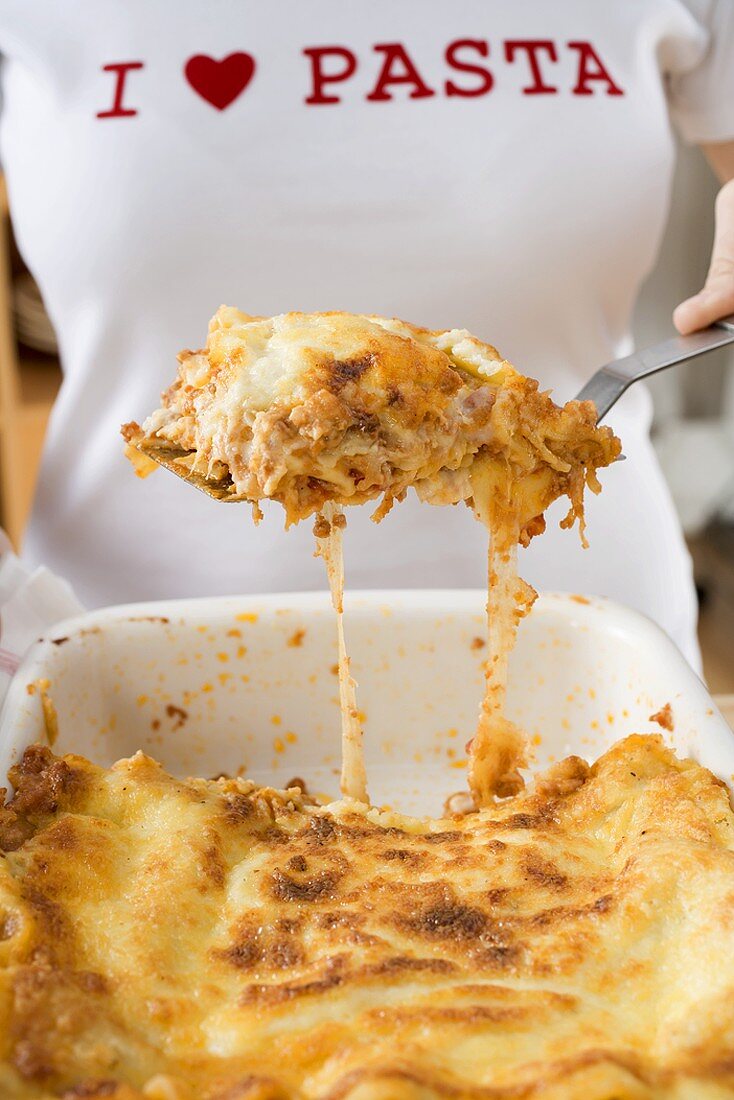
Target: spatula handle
608,384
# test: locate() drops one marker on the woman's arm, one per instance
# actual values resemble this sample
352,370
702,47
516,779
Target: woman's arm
717,297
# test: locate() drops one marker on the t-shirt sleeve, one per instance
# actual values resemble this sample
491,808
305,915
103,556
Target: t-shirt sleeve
702,97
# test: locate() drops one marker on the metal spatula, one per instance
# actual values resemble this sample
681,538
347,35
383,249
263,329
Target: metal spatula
608,384
178,462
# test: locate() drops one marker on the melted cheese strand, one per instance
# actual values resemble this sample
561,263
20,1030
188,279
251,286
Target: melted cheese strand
329,547
498,749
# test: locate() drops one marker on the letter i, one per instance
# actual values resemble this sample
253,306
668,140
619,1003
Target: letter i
122,68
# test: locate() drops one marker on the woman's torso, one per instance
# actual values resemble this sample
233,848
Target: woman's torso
528,212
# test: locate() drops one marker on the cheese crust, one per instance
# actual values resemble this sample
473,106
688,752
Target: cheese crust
167,939
308,408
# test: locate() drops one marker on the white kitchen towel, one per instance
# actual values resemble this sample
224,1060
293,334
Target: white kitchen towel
31,601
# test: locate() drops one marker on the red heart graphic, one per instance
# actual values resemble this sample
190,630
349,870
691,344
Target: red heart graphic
220,82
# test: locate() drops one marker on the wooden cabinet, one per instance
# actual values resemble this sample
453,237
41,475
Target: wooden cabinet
29,382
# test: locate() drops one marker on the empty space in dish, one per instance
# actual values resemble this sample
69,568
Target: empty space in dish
247,685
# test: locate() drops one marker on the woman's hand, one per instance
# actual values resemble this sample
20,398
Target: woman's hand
716,300
717,297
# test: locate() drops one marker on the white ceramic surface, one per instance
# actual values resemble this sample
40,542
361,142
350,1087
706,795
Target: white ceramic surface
217,685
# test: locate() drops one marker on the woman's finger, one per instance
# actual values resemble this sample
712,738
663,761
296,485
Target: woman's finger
716,299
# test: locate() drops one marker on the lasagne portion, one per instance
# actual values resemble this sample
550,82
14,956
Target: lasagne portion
164,939
308,408
322,410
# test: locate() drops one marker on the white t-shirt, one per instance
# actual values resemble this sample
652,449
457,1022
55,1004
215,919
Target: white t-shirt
499,167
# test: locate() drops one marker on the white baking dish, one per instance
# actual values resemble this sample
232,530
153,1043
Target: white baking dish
247,683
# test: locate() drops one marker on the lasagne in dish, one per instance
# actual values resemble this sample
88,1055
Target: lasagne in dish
322,410
165,939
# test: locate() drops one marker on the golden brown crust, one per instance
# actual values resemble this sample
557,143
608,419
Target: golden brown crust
208,939
309,408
